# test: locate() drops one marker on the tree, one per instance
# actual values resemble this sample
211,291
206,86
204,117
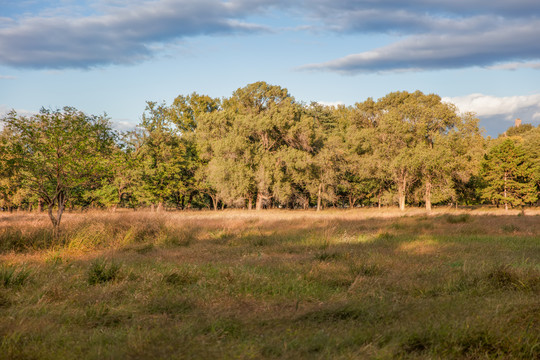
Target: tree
411,132
185,113
508,175
161,158
247,136
58,151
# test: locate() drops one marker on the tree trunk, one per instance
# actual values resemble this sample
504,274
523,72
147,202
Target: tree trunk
55,220
160,206
402,189
250,202
40,205
214,202
352,201
259,202
428,195
190,199
505,194
319,195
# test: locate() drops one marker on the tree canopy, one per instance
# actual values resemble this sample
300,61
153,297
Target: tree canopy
260,148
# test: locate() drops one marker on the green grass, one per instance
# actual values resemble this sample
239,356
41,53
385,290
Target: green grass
294,285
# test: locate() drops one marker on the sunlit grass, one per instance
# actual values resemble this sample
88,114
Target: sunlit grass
276,284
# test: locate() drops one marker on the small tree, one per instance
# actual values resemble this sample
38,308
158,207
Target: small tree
58,151
508,174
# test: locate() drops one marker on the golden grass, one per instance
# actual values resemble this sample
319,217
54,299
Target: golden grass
274,284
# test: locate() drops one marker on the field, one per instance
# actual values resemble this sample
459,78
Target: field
273,284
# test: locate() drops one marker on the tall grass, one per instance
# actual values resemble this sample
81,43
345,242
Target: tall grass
276,284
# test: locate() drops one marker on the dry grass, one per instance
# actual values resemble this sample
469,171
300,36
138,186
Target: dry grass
276,284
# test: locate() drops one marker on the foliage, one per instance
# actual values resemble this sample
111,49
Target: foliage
260,148
56,152
509,175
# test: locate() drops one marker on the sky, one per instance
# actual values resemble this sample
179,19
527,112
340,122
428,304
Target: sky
111,56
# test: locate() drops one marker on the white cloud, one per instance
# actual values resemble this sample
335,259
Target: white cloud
123,125
509,107
515,66
431,34
120,34
443,51
7,77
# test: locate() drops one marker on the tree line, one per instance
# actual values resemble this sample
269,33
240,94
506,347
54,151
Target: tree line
261,148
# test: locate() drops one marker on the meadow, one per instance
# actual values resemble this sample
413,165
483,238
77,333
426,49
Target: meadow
350,284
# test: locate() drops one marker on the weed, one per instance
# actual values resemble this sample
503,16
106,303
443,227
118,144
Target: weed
10,276
101,315
457,219
366,269
144,249
507,277
54,258
170,305
181,278
225,327
327,256
5,301
174,237
510,228
102,271
397,226
385,236
332,314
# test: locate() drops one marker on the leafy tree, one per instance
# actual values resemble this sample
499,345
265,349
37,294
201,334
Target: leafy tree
410,140
467,148
185,113
161,158
116,183
531,145
508,175
58,151
248,136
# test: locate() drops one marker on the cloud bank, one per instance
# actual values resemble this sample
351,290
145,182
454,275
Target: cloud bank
119,35
429,34
435,35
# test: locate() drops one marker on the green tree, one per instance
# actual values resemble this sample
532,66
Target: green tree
508,175
58,151
10,182
243,143
160,158
185,113
412,128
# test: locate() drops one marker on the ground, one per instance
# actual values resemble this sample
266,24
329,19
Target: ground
374,284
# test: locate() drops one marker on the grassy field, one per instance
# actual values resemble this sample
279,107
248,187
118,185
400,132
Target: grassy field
276,284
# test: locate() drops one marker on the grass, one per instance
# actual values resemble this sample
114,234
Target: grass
277,284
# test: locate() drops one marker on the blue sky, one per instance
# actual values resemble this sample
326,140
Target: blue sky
113,55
